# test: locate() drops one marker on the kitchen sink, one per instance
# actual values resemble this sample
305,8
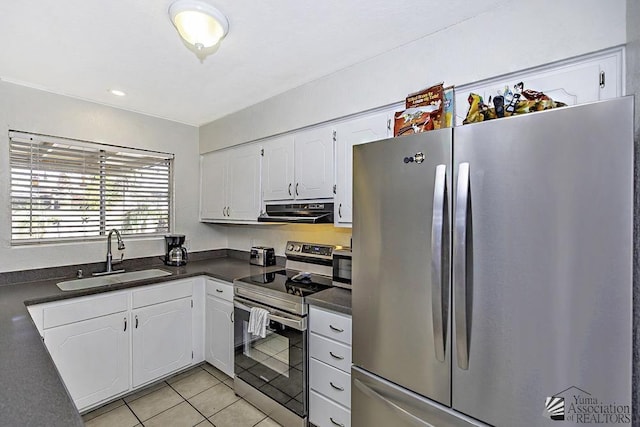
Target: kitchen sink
112,279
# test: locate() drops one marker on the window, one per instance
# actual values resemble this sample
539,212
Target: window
63,189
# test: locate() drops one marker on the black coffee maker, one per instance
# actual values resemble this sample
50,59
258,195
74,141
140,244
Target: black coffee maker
175,254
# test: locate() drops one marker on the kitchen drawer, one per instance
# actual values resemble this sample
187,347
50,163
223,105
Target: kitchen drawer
332,325
325,413
84,308
219,289
330,352
331,382
168,291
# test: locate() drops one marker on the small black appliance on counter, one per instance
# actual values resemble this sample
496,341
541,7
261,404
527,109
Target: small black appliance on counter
175,254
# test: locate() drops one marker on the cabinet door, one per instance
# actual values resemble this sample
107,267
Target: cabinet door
92,357
243,182
277,169
219,330
314,164
161,339
212,185
594,78
358,131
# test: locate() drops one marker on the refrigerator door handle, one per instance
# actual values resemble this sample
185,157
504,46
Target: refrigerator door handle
396,408
437,243
460,266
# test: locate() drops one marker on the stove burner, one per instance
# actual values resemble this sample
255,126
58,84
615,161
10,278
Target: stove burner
291,281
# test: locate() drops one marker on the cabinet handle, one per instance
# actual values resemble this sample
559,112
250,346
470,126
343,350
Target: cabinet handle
340,210
136,321
223,212
219,290
336,356
228,208
232,317
296,188
125,324
290,190
335,386
335,423
333,328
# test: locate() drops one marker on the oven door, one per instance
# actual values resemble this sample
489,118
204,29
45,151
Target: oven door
276,365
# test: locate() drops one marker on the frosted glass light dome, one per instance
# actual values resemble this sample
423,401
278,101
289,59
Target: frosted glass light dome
200,24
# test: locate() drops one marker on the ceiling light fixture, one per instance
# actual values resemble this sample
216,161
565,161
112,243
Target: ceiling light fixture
200,25
117,92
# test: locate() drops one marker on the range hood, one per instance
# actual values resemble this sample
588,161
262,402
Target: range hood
300,213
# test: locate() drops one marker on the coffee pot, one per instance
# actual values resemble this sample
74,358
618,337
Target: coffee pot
175,253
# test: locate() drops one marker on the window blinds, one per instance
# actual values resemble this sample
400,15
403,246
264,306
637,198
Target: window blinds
67,189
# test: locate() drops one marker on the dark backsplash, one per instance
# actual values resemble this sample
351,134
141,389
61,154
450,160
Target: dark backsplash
70,271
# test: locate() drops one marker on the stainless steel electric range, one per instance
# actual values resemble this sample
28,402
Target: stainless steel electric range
272,372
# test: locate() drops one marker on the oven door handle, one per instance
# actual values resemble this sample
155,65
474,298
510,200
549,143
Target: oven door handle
298,323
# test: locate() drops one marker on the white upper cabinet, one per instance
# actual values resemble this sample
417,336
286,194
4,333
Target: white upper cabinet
243,183
230,184
299,166
354,132
589,78
213,191
277,169
314,164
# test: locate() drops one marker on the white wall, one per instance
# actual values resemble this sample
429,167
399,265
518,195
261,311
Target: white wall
32,110
515,36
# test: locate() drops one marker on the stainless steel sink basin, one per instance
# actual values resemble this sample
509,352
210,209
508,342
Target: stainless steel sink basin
112,279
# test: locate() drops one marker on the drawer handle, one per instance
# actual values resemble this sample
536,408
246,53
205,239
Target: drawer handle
335,356
333,328
335,386
334,422
219,290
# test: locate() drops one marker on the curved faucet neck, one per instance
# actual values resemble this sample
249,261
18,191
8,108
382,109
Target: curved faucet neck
113,230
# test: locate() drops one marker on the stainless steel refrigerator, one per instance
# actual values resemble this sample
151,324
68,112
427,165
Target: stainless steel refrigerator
492,269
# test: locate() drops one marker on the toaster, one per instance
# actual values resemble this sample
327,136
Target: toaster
262,255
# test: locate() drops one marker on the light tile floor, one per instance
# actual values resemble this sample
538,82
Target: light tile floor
201,396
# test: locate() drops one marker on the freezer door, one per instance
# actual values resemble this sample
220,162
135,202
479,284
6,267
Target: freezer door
377,402
542,266
401,280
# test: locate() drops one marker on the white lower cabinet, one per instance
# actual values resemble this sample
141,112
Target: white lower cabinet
109,344
324,412
161,339
329,368
219,325
92,357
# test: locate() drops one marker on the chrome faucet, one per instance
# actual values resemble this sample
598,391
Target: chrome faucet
110,262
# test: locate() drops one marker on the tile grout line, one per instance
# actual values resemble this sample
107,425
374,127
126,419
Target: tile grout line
163,411
217,412
166,383
134,414
189,403
104,413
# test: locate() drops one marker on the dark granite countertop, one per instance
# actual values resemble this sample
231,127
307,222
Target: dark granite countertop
32,392
336,299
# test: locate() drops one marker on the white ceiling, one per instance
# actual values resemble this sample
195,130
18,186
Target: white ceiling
83,48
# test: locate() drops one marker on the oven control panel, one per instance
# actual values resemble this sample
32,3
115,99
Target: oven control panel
311,250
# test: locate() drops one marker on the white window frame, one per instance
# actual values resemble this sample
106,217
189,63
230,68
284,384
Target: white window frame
106,220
